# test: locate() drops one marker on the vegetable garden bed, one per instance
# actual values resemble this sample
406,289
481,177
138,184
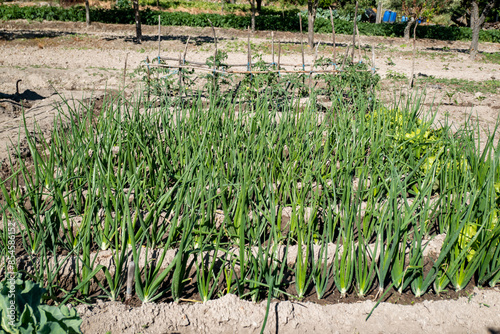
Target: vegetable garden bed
215,170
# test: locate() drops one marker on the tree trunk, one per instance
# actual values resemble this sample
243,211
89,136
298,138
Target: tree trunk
259,5
252,7
379,12
476,23
138,31
87,13
409,24
312,6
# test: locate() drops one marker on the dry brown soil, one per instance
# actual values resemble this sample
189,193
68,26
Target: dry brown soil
56,59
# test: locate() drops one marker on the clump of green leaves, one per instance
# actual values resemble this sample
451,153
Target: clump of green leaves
30,315
354,82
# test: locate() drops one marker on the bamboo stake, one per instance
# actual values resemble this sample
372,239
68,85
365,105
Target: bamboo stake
279,54
345,57
249,67
410,84
354,31
185,51
359,44
180,72
333,38
373,58
312,67
215,53
301,42
125,70
279,58
159,34
272,46
149,79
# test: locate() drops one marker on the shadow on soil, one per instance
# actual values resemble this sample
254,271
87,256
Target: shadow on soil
31,34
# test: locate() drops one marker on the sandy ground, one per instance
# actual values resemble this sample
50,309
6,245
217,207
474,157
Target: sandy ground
76,62
478,313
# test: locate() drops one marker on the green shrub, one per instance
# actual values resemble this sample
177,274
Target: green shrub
286,21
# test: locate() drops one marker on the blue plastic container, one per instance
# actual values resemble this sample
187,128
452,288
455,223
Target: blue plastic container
404,19
387,16
393,17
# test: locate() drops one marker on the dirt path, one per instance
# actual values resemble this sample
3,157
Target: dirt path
78,63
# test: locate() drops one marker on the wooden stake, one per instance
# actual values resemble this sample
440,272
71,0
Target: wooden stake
179,70
373,58
185,51
410,84
249,67
149,79
354,30
301,42
345,57
215,40
312,68
279,56
333,38
159,34
272,46
181,76
215,53
125,71
359,43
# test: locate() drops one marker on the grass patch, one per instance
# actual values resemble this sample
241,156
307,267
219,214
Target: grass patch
463,85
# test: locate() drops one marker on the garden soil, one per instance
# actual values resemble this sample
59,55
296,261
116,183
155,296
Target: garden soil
80,64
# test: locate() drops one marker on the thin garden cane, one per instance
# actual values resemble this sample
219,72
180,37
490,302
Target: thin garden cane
301,42
279,59
359,45
215,51
184,61
159,37
125,71
312,68
334,52
249,53
148,82
412,74
355,24
272,49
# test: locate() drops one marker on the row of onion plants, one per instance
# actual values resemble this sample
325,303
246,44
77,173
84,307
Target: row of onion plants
230,186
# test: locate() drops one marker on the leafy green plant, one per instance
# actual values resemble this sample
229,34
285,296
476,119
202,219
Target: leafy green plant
396,75
30,315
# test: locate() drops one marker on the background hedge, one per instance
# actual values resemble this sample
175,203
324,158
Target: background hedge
287,22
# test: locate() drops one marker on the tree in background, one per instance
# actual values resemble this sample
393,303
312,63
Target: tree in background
312,8
380,8
138,30
253,11
87,13
416,9
255,7
477,22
